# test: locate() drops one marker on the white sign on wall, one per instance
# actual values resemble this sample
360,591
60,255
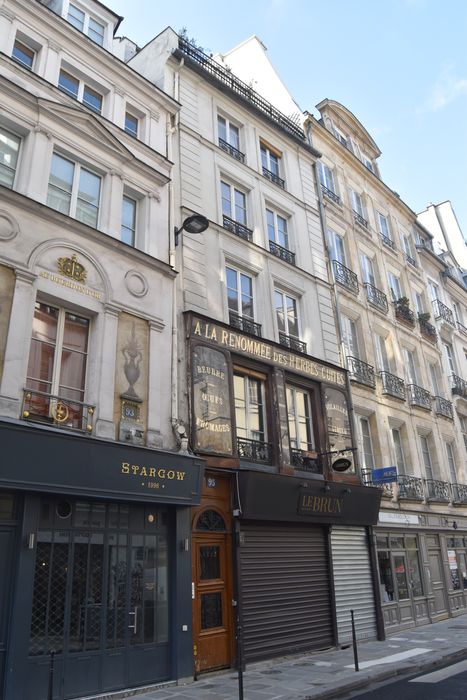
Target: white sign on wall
404,518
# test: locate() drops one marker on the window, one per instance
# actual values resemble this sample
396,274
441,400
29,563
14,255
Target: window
131,124
434,377
233,203
398,450
96,31
457,562
277,228
74,191
366,451
229,138
340,137
399,567
451,462
337,248
407,245
286,314
83,23
128,227
450,359
9,149
23,54
463,424
426,456
58,360
326,177
457,312
382,360
357,203
249,393
395,286
80,91
433,290
411,372
368,163
300,419
239,292
76,17
349,336
270,160
419,303
384,229
368,270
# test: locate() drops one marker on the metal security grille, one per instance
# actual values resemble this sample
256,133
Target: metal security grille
285,590
353,583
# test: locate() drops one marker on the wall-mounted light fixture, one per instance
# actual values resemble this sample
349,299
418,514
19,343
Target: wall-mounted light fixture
197,223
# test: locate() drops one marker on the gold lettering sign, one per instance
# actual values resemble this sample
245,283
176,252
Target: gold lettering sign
311,504
142,471
70,267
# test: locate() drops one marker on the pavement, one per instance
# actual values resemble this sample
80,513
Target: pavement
324,675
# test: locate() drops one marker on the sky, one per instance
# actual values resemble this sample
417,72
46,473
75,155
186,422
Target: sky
400,66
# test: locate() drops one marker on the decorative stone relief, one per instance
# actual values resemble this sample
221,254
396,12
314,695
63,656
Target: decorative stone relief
9,227
136,283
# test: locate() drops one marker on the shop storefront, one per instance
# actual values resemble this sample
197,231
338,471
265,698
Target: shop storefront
101,572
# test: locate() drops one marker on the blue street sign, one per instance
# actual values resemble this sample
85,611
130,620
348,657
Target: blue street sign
385,475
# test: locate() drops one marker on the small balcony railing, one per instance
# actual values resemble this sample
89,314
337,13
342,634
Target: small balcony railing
404,314
443,312
388,241
376,297
305,462
254,450
231,150
410,488
242,323
459,386
360,220
367,480
443,407
237,228
361,372
392,385
61,412
459,494
411,260
274,178
289,341
462,328
427,330
282,253
419,397
347,278
330,194
438,491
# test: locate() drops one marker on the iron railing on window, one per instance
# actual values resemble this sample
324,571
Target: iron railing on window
411,260
462,328
281,252
231,150
237,228
459,386
59,411
404,313
367,480
360,220
427,330
419,397
388,241
438,491
330,194
273,177
392,385
361,372
242,323
410,488
289,341
459,493
443,407
376,297
254,450
444,312
347,278
304,462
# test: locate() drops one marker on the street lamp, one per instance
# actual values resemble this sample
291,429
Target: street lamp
197,223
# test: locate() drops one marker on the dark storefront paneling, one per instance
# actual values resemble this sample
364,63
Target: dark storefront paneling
285,589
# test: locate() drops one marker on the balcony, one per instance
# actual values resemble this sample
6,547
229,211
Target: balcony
404,313
274,178
462,328
361,372
419,397
443,407
330,194
283,253
459,386
237,228
254,450
345,277
305,461
411,261
443,312
289,341
242,323
231,150
410,488
392,385
388,241
438,491
427,330
358,218
459,494
376,297
58,411
367,480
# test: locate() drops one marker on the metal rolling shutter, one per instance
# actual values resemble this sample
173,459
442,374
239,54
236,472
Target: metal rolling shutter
285,590
353,583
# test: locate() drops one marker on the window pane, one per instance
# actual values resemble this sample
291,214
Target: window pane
42,351
221,128
92,99
225,195
240,405
280,311
414,572
292,320
454,569
96,31
271,225
240,207
9,147
131,124
76,17
401,577
283,238
385,577
75,334
232,290
128,221
247,295
23,54
68,83
87,205
209,562
234,136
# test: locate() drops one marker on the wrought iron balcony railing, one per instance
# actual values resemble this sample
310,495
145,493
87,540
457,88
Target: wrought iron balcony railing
361,372
304,462
410,488
282,253
254,450
427,330
462,328
459,494
404,313
289,341
411,260
242,323
347,278
376,297
330,194
443,407
231,150
388,241
237,228
274,178
360,220
202,61
438,491
419,397
367,480
443,312
392,385
459,386
61,412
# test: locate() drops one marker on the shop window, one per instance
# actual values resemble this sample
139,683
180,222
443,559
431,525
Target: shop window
399,567
457,558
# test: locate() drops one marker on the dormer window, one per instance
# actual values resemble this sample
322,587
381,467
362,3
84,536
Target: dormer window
88,25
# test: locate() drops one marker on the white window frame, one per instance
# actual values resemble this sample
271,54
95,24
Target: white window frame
411,367
87,17
366,441
450,357
349,334
25,45
294,418
270,159
83,86
238,289
368,270
233,189
326,177
384,227
274,226
426,457
381,354
127,197
451,460
357,203
73,201
230,129
395,286
132,132
398,450
260,408
337,247
285,296
7,134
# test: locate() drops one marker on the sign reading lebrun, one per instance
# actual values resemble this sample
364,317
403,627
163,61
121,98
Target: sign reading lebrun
257,348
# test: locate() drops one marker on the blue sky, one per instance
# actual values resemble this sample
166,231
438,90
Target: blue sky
399,65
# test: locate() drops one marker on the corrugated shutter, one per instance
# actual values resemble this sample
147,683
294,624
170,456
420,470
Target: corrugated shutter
353,583
285,590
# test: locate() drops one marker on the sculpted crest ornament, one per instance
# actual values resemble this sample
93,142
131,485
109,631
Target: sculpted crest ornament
70,267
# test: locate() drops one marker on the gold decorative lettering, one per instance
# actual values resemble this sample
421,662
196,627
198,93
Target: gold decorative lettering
180,476
171,474
125,468
161,473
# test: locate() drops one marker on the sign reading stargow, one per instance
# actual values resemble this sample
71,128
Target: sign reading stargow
212,428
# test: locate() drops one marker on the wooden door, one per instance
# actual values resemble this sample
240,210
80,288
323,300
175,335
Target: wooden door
440,609
212,602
